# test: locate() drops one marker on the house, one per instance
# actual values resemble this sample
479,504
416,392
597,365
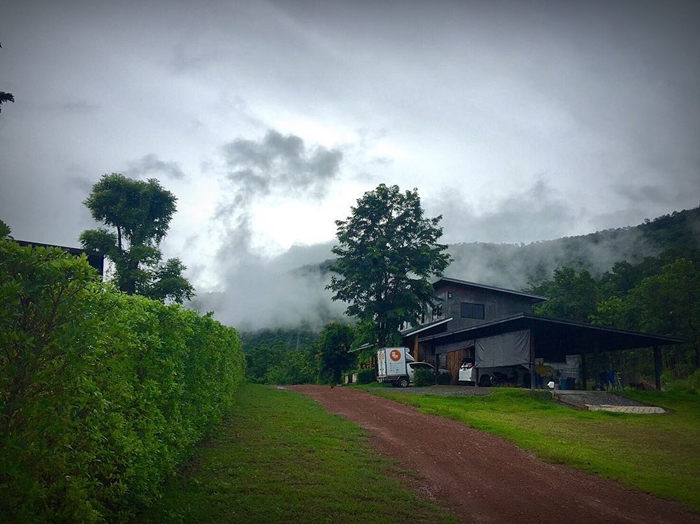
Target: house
494,330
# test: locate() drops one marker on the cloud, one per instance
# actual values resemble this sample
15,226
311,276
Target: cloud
534,213
151,164
257,292
280,163
254,290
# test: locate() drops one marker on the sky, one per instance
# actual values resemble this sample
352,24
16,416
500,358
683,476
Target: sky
518,121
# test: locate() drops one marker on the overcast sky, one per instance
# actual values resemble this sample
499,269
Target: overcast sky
518,121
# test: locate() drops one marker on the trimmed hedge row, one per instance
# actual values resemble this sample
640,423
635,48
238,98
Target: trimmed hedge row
103,394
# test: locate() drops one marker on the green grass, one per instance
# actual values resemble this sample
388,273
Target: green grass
278,457
659,454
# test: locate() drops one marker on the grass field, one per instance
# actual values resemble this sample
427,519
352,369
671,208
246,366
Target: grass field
278,457
659,454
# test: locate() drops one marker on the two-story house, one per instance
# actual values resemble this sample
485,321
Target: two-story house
491,328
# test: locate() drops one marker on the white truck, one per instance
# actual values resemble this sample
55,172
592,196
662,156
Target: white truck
397,366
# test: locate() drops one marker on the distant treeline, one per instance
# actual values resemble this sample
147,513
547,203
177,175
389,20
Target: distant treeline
102,394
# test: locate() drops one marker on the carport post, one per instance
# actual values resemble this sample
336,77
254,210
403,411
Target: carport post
533,385
583,371
657,367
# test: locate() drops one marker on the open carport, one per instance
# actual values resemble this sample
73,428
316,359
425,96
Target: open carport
546,338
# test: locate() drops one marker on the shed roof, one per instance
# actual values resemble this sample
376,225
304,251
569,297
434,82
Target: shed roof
555,338
441,282
423,328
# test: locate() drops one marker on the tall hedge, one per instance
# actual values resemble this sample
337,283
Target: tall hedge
103,394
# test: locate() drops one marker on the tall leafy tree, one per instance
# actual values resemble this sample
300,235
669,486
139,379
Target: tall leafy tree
669,303
572,295
333,351
4,230
138,215
387,254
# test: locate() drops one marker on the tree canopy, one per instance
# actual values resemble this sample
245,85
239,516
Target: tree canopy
139,214
387,253
333,351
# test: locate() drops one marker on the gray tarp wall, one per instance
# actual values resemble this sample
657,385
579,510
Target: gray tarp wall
508,349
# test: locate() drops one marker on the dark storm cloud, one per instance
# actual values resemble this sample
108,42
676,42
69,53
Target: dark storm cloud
280,163
150,164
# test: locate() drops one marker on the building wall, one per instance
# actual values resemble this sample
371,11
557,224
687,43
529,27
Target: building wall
497,305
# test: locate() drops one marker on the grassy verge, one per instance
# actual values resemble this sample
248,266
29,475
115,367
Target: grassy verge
278,457
658,454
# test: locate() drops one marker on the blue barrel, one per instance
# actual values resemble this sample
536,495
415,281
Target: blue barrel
562,383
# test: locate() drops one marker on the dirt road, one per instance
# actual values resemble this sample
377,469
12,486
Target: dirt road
483,478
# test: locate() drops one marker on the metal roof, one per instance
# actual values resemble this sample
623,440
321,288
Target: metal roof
465,283
557,338
424,327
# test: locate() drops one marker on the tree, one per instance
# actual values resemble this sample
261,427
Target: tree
5,97
333,351
139,213
387,252
572,296
4,230
669,303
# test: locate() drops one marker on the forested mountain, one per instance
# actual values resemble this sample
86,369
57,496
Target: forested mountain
516,266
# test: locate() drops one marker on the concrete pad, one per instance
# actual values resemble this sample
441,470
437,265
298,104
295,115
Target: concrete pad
637,410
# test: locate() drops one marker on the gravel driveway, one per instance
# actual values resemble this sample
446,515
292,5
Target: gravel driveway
484,478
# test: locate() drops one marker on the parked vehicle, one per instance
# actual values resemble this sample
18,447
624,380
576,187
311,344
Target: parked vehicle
397,366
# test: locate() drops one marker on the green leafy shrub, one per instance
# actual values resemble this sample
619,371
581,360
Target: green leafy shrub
366,376
423,377
444,378
102,395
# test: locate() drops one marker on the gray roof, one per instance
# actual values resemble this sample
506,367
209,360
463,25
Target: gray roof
465,283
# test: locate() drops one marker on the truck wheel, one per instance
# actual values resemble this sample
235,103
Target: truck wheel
403,382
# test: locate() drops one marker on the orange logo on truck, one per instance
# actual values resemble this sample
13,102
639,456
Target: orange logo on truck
395,355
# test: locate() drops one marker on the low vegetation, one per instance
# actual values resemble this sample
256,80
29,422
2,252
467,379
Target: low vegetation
102,394
279,457
653,453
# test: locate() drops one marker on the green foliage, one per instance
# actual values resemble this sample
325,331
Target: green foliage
652,296
333,351
281,356
423,377
103,394
444,378
4,230
572,296
366,376
139,213
387,252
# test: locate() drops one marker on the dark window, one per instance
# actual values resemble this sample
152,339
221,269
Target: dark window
472,310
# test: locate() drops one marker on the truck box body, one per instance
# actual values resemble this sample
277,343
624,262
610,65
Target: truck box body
391,364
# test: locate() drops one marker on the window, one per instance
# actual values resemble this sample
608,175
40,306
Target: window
472,310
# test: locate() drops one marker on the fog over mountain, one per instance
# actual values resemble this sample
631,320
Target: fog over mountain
289,290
